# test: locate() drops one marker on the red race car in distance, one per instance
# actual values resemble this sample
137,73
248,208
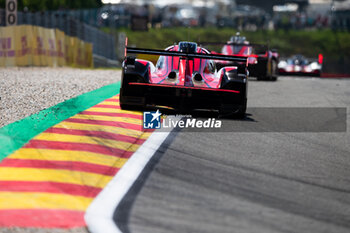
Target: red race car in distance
262,62
185,78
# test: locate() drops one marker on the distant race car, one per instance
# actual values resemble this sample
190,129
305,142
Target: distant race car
262,62
299,65
185,78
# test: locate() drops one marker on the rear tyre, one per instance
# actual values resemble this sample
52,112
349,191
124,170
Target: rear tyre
260,78
240,114
237,113
274,75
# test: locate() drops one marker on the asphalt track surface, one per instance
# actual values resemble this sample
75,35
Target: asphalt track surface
251,181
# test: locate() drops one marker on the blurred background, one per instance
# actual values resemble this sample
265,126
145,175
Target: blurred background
307,27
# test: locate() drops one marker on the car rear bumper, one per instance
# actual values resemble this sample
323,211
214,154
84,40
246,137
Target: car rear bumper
182,98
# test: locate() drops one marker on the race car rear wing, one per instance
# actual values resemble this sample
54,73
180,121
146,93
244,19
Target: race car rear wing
184,54
263,47
232,43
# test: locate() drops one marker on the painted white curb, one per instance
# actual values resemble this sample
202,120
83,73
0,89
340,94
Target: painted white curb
99,215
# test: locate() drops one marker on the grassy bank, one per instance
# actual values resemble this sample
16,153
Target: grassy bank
334,45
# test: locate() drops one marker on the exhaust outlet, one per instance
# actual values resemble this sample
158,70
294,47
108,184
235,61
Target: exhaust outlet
198,77
172,75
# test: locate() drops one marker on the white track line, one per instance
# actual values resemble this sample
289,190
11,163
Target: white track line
99,215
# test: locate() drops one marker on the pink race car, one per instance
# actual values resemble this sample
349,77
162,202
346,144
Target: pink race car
185,78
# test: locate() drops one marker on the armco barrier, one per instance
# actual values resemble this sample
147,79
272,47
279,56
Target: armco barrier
27,45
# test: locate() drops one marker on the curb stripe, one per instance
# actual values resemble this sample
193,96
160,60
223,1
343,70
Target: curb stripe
90,113
66,155
107,123
99,134
109,129
109,103
54,175
49,187
107,106
66,165
110,110
101,149
43,218
108,118
113,98
125,146
16,200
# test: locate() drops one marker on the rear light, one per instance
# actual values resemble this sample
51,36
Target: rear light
320,58
126,45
